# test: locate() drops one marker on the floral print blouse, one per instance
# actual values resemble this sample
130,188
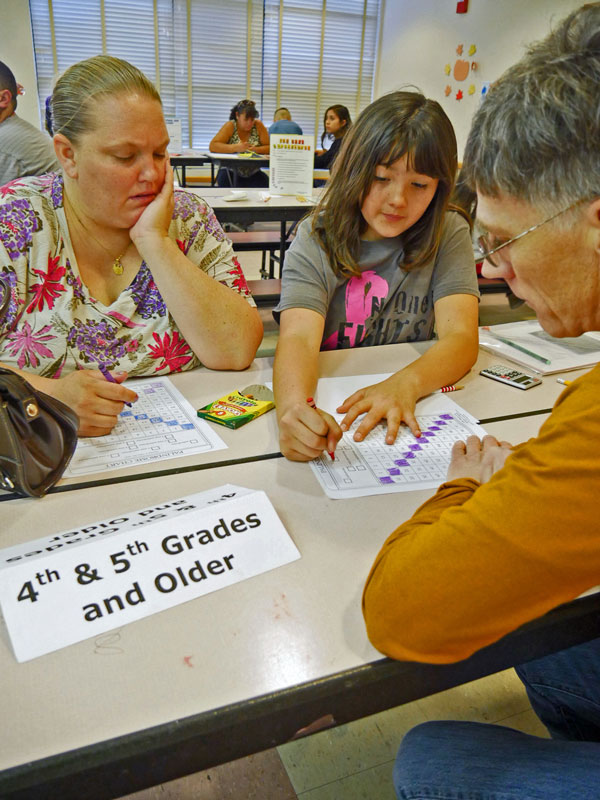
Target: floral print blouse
54,326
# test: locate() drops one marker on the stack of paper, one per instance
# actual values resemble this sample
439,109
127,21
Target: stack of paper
535,349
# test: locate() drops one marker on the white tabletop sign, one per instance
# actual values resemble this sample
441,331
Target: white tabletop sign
174,131
72,593
291,163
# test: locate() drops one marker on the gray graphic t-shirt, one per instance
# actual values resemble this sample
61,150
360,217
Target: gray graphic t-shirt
386,304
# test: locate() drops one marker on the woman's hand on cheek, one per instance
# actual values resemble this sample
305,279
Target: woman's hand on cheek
96,401
156,217
392,399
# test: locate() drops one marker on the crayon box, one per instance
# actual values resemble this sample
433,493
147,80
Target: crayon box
239,407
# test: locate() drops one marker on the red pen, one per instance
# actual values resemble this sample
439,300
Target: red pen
312,404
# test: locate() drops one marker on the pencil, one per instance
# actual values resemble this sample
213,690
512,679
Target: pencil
312,404
109,378
516,346
564,382
451,388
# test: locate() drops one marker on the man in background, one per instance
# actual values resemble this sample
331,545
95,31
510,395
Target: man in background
24,150
282,123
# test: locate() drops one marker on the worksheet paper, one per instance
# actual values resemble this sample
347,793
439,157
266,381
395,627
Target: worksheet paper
374,467
161,424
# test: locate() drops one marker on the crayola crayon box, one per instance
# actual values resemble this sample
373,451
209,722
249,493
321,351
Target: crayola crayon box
239,407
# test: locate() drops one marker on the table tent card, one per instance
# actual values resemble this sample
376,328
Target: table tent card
174,131
291,163
77,584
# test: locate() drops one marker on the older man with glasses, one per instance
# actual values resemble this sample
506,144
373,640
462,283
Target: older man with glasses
515,532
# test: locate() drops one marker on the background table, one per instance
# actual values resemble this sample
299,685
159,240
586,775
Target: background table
279,208
246,667
234,163
192,158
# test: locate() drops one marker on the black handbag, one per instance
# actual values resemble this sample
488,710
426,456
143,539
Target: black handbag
38,434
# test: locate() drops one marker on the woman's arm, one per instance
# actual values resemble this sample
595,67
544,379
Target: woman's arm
263,133
327,157
447,360
220,326
220,141
304,432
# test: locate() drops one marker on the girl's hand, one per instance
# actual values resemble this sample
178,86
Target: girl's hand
96,401
156,217
478,458
304,432
395,399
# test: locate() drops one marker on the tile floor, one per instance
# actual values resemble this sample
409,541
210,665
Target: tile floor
354,761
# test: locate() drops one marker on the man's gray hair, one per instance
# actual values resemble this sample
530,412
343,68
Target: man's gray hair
536,136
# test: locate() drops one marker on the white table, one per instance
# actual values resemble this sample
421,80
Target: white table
246,667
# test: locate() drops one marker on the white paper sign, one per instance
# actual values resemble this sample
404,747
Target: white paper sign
174,131
74,593
291,163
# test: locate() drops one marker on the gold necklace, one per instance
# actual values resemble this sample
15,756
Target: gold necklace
117,266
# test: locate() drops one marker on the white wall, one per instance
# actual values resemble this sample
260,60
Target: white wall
16,50
419,37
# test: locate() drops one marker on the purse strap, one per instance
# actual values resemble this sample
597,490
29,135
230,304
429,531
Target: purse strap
4,296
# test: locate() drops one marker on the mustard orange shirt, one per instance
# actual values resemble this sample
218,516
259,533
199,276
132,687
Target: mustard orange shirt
477,561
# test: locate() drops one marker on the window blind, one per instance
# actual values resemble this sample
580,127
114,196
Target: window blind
206,55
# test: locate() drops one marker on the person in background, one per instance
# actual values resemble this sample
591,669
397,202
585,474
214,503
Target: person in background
336,124
380,260
514,533
242,133
283,123
24,150
112,272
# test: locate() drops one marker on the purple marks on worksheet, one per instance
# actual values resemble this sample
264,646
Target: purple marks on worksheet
385,479
394,471
414,446
401,462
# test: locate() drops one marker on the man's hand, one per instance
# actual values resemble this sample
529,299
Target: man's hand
478,458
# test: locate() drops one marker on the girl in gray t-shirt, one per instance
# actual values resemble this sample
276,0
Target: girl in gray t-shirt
380,260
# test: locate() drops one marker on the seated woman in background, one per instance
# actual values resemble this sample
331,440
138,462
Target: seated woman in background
379,261
242,133
336,124
112,273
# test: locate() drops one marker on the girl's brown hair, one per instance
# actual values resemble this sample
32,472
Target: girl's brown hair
397,124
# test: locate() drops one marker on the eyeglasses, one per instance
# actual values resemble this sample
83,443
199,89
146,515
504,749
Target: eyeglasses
488,246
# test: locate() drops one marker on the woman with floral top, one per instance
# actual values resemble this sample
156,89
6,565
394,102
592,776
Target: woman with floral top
111,272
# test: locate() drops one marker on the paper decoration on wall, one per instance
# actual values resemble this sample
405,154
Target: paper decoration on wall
461,71
462,7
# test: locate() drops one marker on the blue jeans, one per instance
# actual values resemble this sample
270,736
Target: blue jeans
475,761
